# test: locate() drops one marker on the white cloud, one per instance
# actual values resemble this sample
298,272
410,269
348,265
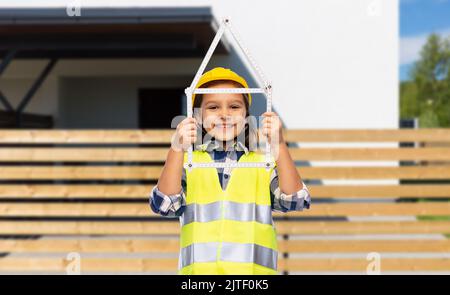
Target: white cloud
410,46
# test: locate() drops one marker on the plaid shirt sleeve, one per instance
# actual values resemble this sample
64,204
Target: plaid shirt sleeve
169,205
282,202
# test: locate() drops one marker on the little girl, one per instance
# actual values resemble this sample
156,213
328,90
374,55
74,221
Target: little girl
226,214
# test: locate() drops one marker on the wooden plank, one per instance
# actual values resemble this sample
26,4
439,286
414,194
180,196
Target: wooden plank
67,191
81,173
172,227
163,136
380,191
372,209
170,264
345,264
77,209
91,245
363,246
342,227
368,135
127,245
95,136
153,172
83,154
143,209
370,154
121,154
88,264
437,172
169,227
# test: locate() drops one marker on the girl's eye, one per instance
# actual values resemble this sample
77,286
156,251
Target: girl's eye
212,107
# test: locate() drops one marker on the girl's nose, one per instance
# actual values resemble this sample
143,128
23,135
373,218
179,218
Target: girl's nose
225,114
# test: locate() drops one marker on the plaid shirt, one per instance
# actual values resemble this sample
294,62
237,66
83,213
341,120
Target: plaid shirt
173,205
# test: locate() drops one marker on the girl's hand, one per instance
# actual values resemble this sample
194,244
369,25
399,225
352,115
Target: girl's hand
272,128
185,135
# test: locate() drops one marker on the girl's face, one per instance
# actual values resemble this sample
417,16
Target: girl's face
223,114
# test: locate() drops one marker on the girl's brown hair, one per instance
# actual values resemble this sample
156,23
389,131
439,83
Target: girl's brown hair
198,102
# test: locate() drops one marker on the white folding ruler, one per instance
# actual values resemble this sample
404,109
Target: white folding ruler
266,90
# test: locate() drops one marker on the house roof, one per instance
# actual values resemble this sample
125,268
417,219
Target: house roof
107,32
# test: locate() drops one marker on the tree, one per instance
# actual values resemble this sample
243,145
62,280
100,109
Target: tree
428,95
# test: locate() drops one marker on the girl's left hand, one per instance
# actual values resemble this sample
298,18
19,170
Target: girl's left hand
272,128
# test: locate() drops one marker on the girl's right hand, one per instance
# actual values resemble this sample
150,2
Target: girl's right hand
185,135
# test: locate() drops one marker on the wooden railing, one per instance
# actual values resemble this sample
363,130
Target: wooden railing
86,191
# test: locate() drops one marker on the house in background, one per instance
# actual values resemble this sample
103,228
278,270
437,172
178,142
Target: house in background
333,63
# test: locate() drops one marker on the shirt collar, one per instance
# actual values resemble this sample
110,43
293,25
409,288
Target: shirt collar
212,145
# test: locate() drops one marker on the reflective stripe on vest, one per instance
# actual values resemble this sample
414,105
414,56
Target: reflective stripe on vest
233,211
234,252
228,231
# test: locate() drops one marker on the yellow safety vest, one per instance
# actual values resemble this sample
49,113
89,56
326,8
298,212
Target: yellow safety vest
231,231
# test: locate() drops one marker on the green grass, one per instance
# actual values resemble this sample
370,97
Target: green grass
433,218
425,200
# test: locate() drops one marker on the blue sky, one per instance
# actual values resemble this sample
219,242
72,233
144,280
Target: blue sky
419,18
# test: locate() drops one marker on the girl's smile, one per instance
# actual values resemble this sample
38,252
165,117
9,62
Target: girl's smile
224,126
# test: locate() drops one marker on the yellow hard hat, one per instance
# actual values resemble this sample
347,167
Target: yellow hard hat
222,74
